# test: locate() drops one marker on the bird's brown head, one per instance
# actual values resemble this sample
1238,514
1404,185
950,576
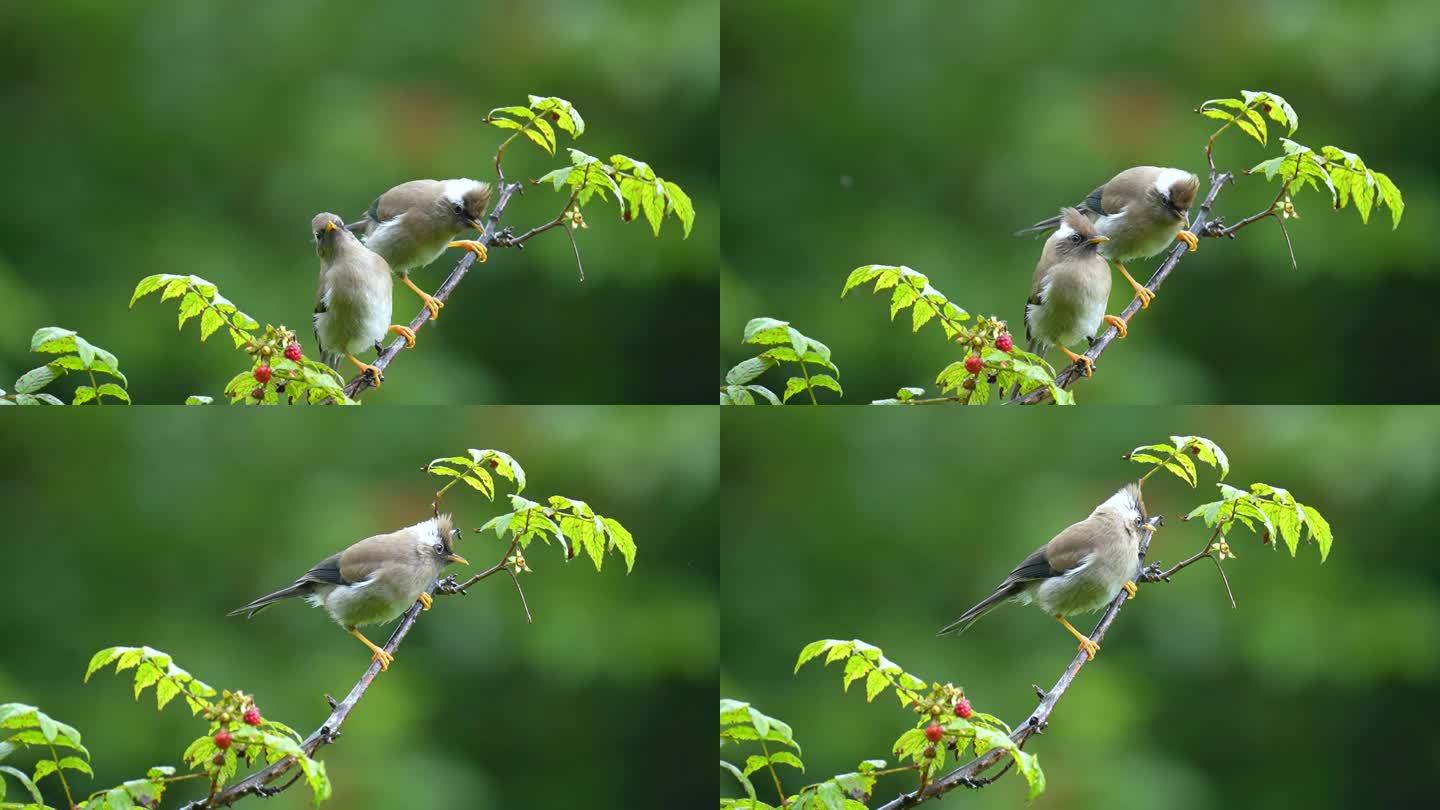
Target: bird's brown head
447,533
1177,189
467,201
1128,506
328,230
1076,234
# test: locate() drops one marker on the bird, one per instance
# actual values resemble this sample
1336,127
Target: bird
1142,210
374,580
1081,570
1069,291
352,300
413,223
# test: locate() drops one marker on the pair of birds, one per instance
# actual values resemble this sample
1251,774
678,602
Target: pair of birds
1135,215
407,227
1080,570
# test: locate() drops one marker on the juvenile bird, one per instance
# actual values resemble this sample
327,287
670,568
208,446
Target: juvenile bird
413,223
1070,290
352,300
1079,571
375,580
1142,210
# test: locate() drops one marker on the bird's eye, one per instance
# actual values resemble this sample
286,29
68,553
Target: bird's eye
1075,238
1139,521
458,209
439,549
318,234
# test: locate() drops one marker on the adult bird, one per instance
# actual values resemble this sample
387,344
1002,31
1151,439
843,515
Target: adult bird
1069,290
352,299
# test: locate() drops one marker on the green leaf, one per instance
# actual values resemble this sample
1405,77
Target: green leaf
83,394
825,381
1274,106
1319,530
793,386
53,340
875,683
35,379
767,331
621,539
680,204
738,774
565,115
196,399
1209,452
748,370
210,321
24,781
860,275
190,306
148,285
1390,196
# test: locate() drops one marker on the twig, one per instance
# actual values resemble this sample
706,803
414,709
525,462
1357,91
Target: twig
257,783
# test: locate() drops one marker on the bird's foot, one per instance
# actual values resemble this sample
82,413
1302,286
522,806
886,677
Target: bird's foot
431,302
385,658
1090,648
426,601
1118,323
371,373
474,247
1130,589
1145,295
1086,365
405,332
1191,240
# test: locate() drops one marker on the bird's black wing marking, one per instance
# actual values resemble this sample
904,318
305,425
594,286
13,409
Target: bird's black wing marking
1033,567
1033,300
326,571
1093,201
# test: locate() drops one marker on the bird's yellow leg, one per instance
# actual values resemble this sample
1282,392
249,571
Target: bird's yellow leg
431,302
1086,644
368,370
1130,589
378,654
405,332
426,601
1190,239
472,246
1118,323
1087,366
1145,296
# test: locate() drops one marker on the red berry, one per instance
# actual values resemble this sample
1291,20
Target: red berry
554,116
1194,449
252,716
292,352
262,374
1005,343
933,732
973,364
962,709
258,393
222,739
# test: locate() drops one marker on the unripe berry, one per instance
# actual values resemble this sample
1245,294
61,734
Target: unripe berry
222,739
933,732
252,716
258,393
218,759
929,752
262,374
1005,343
962,709
1194,449
969,384
554,116
292,352
973,364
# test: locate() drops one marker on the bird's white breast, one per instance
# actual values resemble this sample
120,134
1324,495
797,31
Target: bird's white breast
406,244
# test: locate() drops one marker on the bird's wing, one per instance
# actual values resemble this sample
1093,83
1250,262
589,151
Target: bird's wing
1036,566
360,561
1095,202
402,198
327,571
1070,548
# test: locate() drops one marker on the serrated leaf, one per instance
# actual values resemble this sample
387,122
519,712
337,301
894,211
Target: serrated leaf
875,683
748,370
35,379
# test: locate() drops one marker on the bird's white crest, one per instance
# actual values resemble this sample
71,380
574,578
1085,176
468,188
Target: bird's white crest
455,190
1124,502
427,533
1063,232
1168,178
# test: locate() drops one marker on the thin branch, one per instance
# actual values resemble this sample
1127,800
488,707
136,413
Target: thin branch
258,783
362,381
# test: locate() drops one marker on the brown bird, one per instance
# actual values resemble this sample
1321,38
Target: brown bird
413,223
1080,570
1141,210
374,580
352,300
1069,291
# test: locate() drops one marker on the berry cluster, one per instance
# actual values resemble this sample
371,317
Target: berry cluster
279,342
222,715
943,699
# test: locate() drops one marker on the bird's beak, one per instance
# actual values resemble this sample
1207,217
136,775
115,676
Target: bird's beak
456,558
1095,240
1154,523
477,225
330,226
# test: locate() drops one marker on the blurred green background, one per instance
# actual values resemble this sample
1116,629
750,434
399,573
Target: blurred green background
143,527
201,138
886,526
927,134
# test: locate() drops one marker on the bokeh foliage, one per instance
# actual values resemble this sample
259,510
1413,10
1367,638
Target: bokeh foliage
926,135
142,526
180,137
885,524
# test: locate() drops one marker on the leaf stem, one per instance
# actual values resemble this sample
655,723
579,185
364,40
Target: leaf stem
60,772
808,389
776,776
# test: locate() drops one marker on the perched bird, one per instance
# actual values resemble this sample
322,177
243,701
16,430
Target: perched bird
375,580
1079,571
413,223
1142,210
1070,290
352,301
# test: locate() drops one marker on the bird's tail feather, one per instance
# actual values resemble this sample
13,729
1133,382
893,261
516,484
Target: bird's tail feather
989,603
1040,227
299,589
